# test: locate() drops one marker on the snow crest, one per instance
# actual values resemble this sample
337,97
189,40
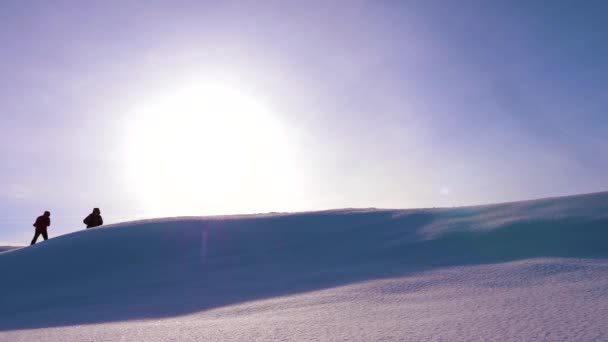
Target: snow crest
533,270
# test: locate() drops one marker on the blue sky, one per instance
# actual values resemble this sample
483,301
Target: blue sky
307,105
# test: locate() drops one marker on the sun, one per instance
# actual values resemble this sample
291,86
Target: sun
208,148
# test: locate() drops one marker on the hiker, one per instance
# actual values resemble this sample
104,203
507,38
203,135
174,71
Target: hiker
94,219
41,224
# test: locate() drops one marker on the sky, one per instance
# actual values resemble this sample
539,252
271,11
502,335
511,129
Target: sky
168,108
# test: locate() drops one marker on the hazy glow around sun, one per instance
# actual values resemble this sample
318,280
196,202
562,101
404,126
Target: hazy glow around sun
208,148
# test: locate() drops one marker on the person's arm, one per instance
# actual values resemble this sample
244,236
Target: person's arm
100,220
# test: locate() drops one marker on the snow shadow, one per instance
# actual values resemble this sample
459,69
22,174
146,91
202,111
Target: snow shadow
165,268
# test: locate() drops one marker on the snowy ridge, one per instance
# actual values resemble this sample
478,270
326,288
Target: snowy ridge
404,264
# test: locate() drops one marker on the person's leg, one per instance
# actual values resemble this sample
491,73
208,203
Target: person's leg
45,235
36,235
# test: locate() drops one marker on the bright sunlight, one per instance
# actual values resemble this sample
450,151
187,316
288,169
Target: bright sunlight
208,149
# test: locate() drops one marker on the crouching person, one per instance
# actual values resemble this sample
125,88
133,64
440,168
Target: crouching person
41,224
94,219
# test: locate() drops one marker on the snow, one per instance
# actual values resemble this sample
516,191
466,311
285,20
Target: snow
523,271
7,248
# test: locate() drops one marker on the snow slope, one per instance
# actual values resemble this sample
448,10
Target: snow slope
534,270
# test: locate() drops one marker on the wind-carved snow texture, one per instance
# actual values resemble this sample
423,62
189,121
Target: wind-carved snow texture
525,271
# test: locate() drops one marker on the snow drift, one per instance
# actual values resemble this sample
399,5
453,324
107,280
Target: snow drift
523,270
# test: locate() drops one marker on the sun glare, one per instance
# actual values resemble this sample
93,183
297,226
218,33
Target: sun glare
207,149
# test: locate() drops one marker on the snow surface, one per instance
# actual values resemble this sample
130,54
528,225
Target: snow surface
524,271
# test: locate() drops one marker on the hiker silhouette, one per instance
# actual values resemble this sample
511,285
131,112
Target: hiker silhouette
41,224
94,219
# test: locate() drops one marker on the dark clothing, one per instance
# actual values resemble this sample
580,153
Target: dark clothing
44,234
93,220
41,224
